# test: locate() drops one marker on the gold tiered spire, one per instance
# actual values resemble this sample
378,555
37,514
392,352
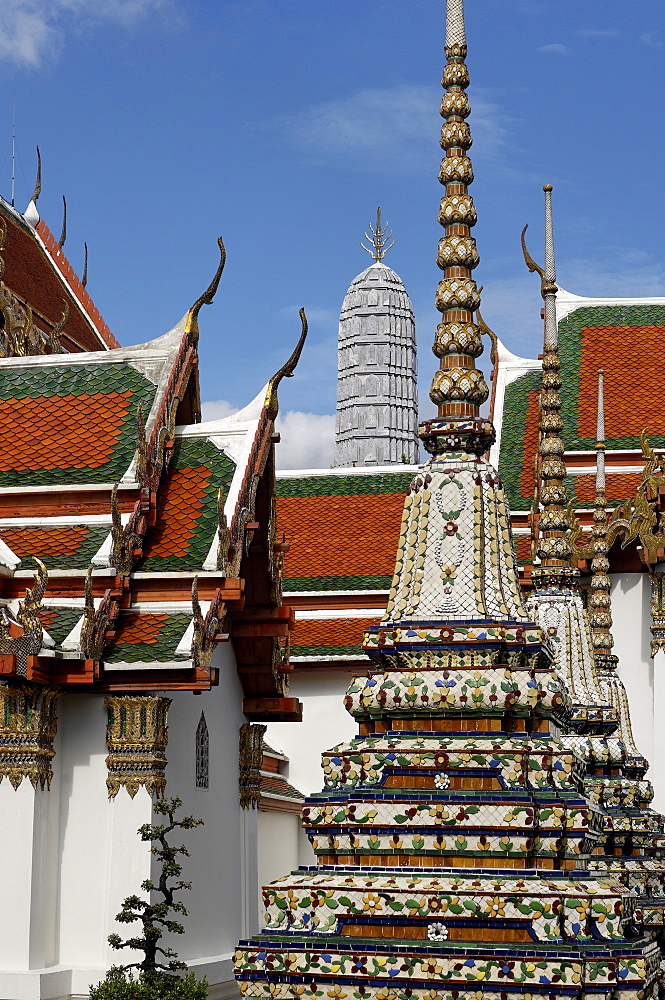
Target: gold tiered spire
458,387
552,546
600,608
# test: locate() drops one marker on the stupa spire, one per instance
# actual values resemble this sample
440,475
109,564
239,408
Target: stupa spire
600,609
458,387
552,546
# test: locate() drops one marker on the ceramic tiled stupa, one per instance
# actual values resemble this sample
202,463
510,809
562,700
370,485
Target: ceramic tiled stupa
632,841
452,837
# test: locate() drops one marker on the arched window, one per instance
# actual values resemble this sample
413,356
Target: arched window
202,753
370,418
371,386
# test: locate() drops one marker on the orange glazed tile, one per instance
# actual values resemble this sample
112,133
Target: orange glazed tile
618,487
44,541
62,432
180,501
330,631
522,545
530,445
632,384
134,628
341,535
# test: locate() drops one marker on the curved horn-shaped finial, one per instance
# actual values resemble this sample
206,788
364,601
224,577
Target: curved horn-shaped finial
286,371
84,279
63,234
192,325
530,262
38,183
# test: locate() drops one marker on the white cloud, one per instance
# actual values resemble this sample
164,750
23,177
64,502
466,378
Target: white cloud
556,49
215,409
32,30
652,39
394,126
307,440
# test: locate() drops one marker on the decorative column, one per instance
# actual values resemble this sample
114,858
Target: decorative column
27,814
136,736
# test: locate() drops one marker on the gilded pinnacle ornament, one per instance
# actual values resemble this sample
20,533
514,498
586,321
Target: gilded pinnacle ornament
600,606
556,602
552,545
459,387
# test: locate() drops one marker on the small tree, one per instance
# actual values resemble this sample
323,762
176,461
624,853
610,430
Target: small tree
156,918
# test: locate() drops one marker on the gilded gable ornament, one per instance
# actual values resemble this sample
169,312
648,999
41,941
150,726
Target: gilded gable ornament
30,641
19,336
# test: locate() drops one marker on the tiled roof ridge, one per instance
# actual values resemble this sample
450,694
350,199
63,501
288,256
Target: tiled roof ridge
184,366
55,253
365,470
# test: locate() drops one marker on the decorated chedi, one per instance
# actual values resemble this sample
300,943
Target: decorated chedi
634,846
452,837
581,640
556,603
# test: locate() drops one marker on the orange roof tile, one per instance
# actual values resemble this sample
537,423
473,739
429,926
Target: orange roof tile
632,387
335,536
62,432
40,542
619,486
330,631
181,498
530,447
134,628
522,545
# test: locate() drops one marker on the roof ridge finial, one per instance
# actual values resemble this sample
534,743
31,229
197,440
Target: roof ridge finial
378,240
600,606
553,547
63,234
458,387
38,182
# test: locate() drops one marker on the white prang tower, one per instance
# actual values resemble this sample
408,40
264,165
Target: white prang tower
377,400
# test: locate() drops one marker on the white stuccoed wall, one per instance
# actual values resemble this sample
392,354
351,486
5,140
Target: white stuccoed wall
72,855
325,723
223,864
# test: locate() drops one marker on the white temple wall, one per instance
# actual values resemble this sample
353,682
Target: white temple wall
631,613
279,847
28,837
101,857
223,866
325,724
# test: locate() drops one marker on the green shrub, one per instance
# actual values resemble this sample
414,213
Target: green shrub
119,985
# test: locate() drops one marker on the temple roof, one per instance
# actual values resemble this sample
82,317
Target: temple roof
38,272
626,339
342,527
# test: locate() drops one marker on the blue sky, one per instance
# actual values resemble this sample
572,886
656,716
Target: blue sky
282,124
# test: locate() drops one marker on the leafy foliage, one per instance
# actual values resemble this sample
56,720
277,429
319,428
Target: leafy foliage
149,986
156,917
